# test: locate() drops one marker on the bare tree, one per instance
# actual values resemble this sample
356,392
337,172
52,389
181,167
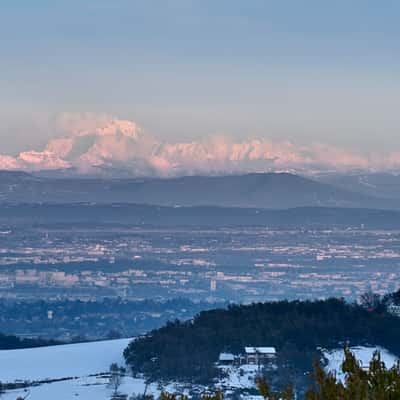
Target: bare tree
115,378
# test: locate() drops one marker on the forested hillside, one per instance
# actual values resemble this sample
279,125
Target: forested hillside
188,350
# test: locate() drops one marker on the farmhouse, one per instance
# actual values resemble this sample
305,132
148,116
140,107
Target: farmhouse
259,355
251,355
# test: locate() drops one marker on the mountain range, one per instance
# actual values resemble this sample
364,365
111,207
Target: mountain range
380,184
264,191
104,146
256,190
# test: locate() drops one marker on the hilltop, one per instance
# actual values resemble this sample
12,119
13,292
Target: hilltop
188,350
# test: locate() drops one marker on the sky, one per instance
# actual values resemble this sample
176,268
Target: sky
307,73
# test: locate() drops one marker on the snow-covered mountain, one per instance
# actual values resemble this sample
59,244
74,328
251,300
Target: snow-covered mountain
101,144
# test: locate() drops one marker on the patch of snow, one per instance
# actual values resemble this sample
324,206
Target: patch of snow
238,377
364,354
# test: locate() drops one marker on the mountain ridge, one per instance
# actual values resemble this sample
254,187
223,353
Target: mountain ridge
254,190
89,215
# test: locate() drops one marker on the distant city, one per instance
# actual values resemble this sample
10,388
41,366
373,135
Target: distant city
220,264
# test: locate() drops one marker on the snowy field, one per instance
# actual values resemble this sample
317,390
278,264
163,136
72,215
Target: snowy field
61,361
84,362
363,354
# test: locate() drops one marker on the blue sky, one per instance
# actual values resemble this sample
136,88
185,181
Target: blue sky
304,71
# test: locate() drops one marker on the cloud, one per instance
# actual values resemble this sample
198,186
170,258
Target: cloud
90,141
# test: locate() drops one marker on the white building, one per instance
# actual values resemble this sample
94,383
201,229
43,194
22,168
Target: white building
252,355
259,355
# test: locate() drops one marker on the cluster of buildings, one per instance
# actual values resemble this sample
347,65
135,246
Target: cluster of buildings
240,265
251,355
393,309
56,278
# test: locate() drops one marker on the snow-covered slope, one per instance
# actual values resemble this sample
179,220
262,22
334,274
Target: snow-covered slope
84,362
86,388
239,377
61,361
